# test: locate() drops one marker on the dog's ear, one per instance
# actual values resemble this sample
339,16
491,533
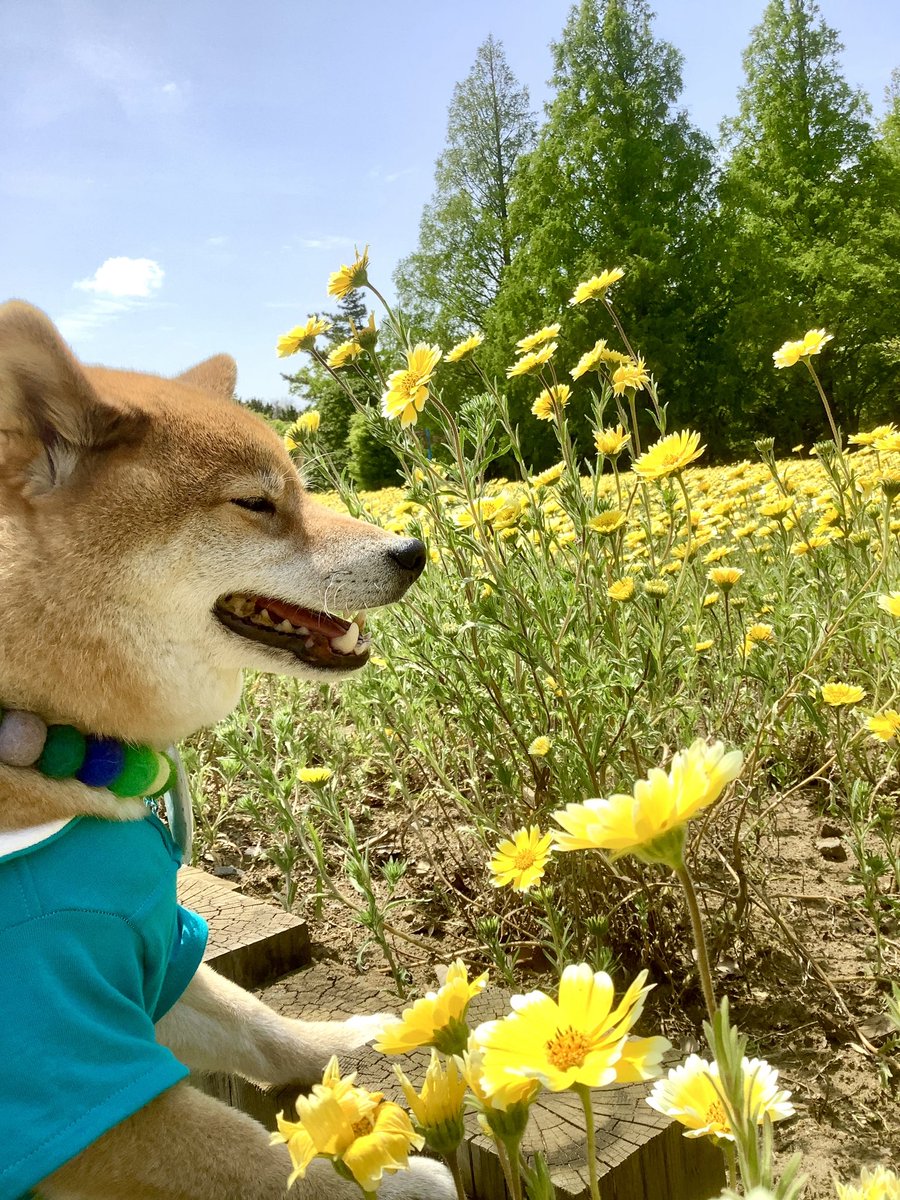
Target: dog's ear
47,403
217,375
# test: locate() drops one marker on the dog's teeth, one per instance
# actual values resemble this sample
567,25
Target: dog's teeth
359,648
309,643
263,618
360,620
301,629
347,641
285,627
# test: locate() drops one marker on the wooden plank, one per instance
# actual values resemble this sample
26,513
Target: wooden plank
250,942
641,1154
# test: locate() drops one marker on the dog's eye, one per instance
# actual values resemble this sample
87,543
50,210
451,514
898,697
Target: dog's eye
258,504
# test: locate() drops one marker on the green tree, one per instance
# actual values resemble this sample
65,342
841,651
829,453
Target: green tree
810,198
618,177
465,244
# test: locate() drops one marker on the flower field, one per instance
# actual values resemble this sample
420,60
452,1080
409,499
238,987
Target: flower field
619,735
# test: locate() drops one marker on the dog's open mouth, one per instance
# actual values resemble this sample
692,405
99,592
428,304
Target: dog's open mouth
319,639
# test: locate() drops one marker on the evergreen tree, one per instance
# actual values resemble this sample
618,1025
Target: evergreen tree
465,245
809,197
619,177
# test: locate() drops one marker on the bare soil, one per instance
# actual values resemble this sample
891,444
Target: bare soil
799,967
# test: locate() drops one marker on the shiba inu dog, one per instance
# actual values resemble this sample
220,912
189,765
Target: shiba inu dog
155,542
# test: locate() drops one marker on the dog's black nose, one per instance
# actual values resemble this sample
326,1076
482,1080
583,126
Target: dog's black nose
409,555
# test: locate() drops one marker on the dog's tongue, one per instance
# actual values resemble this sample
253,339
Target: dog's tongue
313,621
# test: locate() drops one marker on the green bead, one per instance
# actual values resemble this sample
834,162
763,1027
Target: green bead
170,782
137,774
63,752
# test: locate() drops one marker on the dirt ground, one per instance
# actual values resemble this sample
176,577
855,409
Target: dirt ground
800,976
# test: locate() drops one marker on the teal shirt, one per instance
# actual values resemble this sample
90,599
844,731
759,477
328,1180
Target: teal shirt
93,950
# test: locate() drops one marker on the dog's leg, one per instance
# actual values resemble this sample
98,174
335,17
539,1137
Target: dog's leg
217,1026
187,1146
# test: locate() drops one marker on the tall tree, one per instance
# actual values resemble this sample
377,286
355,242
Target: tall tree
619,177
465,243
810,197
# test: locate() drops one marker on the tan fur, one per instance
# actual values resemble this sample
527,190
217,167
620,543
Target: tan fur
117,535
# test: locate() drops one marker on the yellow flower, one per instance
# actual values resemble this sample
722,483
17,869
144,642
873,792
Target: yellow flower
550,401
890,442
802,548
596,286
304,427
531,362
709,600
650,823
621,589
873,436
437,1018
549,476
348,1124
611,442
519,862
607,522
669,456
513,1095
368,335
657,588
690,1094
631,374
814,340
547,334
540,746
302,337
589,360
760,633
777,508
438,1108
840,695
787,355
884,725
725,577
578,1039
464,348
342,354
407,390
314,775
702,647
880,1183
348,278
890,603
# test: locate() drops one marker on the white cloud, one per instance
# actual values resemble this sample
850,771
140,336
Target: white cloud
329,241
132,277
119,286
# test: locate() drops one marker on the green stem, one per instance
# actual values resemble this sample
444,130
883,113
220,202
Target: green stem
690,892
452,1161
731,1161
824,399
584,1094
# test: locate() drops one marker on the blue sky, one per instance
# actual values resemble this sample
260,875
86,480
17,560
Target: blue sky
179,177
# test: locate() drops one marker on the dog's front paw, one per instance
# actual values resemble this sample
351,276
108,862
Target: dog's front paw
359,1031
425,1180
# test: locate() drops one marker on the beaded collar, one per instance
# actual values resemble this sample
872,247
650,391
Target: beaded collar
64,752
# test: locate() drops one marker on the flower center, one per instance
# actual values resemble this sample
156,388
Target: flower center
524,859
716,1117
362,1128
567,1049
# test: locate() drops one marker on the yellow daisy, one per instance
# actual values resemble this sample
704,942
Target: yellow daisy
631,374
611,442
841,695
814,340
725,577
342,354
302,337
437,1018
438,1107
348,278
532,362
669,456
879,1183
650,822
580,1038
690,1094
519,862
540,747
621,589
551,401
884,725
533,340
464,348
787,355
596,286
890,603
314,775
407,390
607,522
590,360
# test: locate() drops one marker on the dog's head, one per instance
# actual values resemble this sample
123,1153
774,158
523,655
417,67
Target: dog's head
155,539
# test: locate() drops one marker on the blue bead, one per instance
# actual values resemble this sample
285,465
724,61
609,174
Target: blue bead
104,758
